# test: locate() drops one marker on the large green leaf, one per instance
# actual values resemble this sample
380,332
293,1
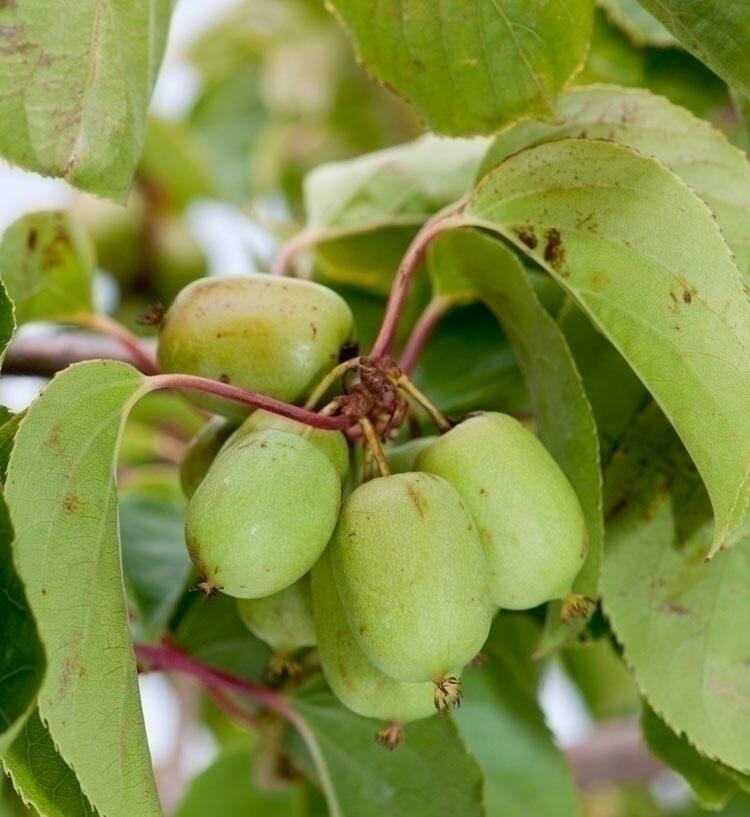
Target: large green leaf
227,786
467,260
7,320
642,255
62,497
42,777
75,82
47,265
642,27
403,185
431,774
471,68
617,396
698,153
212,631
713,784
502,724
156,563
681,622
21,654
717,33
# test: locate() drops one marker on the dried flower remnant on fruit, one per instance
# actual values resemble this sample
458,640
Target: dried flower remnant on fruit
390,736
448,694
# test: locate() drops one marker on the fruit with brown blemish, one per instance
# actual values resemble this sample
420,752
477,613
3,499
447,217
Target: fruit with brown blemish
529,518
353,678
332,443
276,336
262,515
201,452
412,577
284,621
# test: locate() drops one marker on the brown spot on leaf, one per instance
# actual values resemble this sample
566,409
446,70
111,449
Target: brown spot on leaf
676,609
71,503
224,378
33,236
687,296
54,441
527,236
554,252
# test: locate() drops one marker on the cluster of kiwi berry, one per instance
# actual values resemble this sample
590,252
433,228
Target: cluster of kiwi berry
395,578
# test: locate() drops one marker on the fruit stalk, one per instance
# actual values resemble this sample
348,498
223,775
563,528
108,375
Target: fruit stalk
373,444
248,398
447,220
105,325
168,657
422,332
282,264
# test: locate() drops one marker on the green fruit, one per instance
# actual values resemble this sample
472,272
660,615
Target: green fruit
332,443
412,576
117,233
403,458
355,681
276,336
283,620
262,515
529,518
176,258
202,451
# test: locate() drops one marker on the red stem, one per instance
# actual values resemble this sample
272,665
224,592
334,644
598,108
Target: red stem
171,658
422,332
282,264
405,275
249,398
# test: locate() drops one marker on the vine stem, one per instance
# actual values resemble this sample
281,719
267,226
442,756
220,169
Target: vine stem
105,325
433,313
447,220
248,398
217,683
282,264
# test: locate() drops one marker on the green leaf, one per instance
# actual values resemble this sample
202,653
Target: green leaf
602,678
467,258
470,68
175,160
431,774
74,96
699,154
7,319
7,436
47,265
717,33
504,727
629,241
617,396
228,118
42,777
228,786
21,654
399,186
62,497
472,369
156,564
212,631
713,784
642,27
679,620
